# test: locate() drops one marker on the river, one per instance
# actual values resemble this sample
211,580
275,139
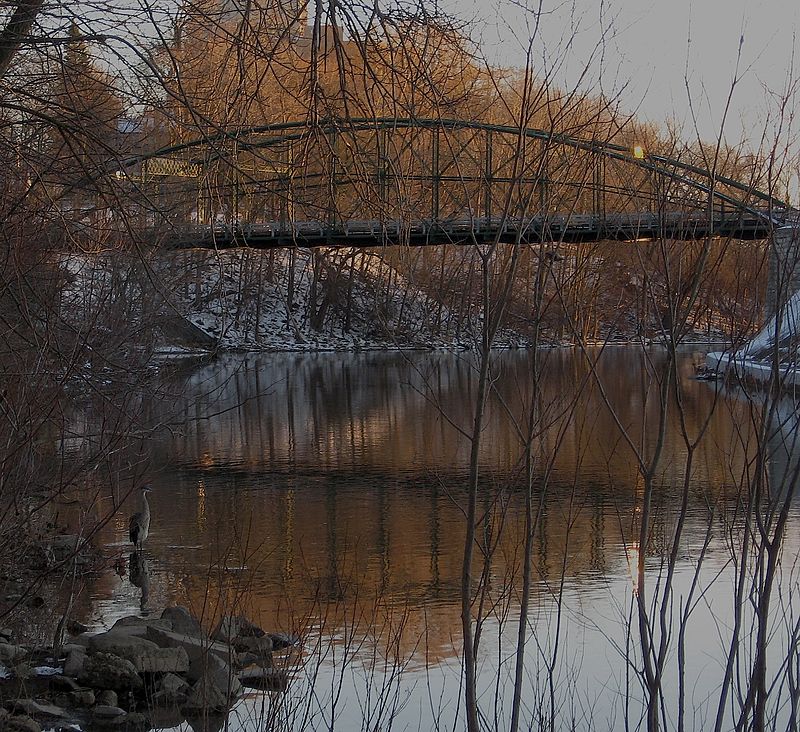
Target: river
323,495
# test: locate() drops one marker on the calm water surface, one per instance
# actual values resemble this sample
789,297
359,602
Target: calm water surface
323,495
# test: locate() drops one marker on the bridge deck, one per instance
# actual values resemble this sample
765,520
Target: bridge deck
534,230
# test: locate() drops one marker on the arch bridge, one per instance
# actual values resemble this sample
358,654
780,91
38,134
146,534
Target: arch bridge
375,182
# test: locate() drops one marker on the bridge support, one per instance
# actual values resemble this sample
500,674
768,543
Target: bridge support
756,358
784,268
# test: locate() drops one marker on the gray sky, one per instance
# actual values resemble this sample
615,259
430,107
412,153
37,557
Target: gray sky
652,46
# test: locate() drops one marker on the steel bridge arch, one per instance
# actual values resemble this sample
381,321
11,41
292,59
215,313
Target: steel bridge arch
698,178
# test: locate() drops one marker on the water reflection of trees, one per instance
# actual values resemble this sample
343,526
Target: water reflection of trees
331,412
331,484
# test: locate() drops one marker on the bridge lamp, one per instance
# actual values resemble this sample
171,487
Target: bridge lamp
638,152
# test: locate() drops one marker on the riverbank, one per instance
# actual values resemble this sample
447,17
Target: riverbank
338,300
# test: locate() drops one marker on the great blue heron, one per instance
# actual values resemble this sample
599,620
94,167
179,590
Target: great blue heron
139,525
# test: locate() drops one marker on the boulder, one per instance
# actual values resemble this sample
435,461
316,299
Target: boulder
282,640
107,671
171,689
260,647
62,700
64,546
64,683
78,644
10,653
75,627
23,670
163,660
269,679
103,711
166,716
204,696
145,655
206,722
182,621
74,663
82,698
106,697
216,686
124,645
231,627
133,721
249,659
136,625
18,723
197,649
33,708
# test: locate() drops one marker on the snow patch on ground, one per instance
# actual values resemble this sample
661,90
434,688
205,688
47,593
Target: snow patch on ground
755,358
190,302
287,300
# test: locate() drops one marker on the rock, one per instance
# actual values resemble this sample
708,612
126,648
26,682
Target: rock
182,621
134,721
216,686
126,722
207,722
269,679
145,655
197,649
163,660
10,653
133,630
74,663
64,683
107,671
171,689
137,625
33,708
282,640
103,711
76,628
23,670
39,556
64,546
204,696
18,723
106,698
79,644
124,645
231,627
61,700
6,634
248,659
166,717
83,698
261,647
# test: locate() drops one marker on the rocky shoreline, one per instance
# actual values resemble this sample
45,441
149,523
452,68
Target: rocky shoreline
143,672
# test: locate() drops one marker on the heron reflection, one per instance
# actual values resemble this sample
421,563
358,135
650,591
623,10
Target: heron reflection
139,572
